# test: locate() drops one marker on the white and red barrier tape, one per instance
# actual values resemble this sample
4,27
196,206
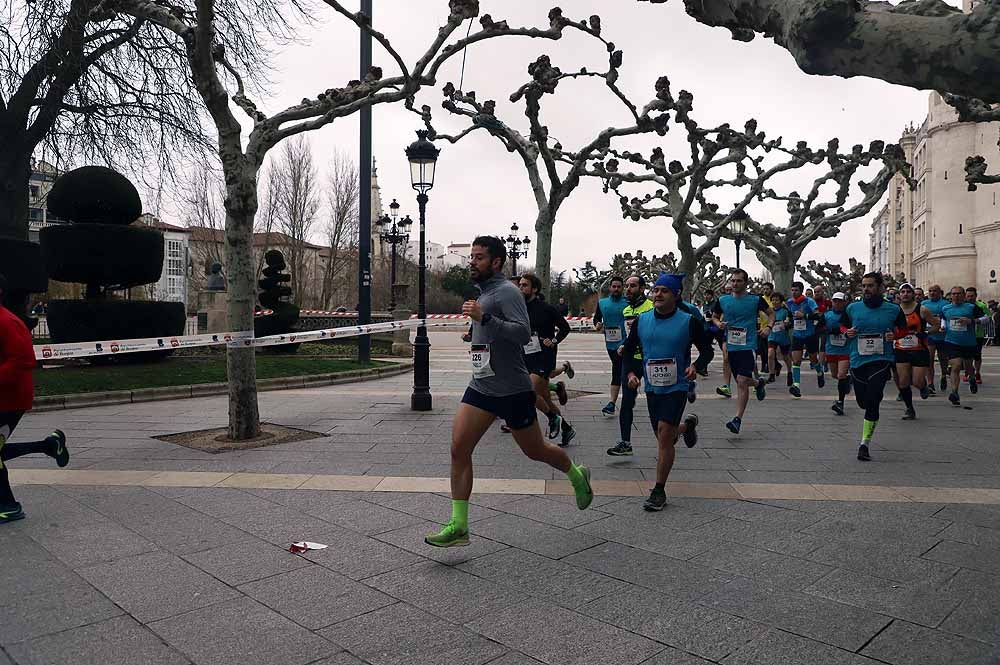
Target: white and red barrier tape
117,347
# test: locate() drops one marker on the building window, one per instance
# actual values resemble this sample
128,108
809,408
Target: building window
33,189
35,214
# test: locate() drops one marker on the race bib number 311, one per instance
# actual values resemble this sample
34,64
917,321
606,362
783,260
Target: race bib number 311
661,372
612,334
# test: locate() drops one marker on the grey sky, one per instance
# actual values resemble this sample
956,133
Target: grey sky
481,188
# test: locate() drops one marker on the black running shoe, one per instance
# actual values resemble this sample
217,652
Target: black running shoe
931,390
57,447
770,378
692,391
567,436
910,415
863,453
820,379
621,449
504,429
794,390
561,393
925,392
10,512
761,389
944,383
838,408
568,368
973,386
954,399
656,501
734,425
690,433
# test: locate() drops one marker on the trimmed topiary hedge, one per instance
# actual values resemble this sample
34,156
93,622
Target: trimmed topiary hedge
93,320
116,256
94,194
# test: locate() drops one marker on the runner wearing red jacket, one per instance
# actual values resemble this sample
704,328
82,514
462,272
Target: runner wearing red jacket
17,392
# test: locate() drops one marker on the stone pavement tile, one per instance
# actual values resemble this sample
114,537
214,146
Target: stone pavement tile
551,512
238,563
322,467
186,532
978,616
280,525
921,603
904,644
518,471
119,640
985,559
676,515
340,658
414,484
445,591
316,597
557,636
401,634
755,511
339,482
987,516
689,627
155,586
783,541
778,647
764,566
890,560
27,568
515,658
241,632
4,660
671,656
534,575
833,623
881,529
50,505
777,490
411,539
681,580
23,617
341,509
643,531
220,501
544,539
278,481
425,505
963,532
84,544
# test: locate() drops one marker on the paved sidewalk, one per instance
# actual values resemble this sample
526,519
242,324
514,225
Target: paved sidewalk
147,573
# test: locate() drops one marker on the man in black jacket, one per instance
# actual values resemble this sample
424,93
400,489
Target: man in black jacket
548,328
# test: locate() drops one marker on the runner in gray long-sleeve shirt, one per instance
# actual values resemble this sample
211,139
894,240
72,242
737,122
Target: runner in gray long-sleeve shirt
500,388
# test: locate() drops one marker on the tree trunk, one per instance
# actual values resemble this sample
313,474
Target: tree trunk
241,207
782,270
15,171
543,247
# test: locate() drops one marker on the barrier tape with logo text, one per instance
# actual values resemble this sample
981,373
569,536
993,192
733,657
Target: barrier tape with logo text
116,347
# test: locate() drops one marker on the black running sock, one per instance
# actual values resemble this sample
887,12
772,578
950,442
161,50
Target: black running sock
907,394
21,448
6,495
843,386
660,486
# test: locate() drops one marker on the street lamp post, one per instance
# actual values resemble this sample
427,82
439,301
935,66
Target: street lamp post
394,232
738,226
514,250
422,155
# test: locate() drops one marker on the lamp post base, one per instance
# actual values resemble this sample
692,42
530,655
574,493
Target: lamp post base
420,402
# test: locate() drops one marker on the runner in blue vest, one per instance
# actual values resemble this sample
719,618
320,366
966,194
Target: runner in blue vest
737,315
959,347
666,334
870,325
805,313
837,357
608,319
935,337
779,342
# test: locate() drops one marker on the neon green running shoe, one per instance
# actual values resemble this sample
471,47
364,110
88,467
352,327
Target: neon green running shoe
11,512
449,536
584,493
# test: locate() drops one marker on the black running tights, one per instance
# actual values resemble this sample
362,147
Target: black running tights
869,385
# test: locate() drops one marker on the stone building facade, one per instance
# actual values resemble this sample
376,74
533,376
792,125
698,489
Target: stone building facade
940,232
